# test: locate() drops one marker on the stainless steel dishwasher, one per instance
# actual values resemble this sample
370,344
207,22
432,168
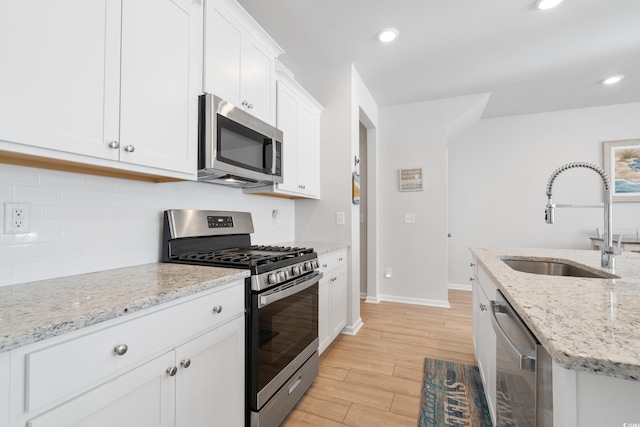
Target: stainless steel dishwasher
523,371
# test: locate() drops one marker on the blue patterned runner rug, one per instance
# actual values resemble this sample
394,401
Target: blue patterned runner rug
452,395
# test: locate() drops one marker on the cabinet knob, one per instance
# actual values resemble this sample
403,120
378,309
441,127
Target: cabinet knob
185,363
217,309
340,259
324,265
129,148
250,106
471,279
483,307
473,264
120,349
172,371
245,103
114,144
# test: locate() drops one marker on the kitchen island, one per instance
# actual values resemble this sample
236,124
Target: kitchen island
590,328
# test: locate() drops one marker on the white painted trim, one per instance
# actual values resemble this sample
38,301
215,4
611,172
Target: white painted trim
372,300
363,295
416,301
353,329
565,400
459,287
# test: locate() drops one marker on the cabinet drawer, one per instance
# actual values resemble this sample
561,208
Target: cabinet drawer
71,366
487,284
333,260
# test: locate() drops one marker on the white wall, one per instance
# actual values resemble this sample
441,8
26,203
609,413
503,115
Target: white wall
415,136
498,172
84,223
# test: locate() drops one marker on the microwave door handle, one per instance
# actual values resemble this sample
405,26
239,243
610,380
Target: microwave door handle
274,152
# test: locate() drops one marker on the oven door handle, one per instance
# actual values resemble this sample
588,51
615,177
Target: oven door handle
278,295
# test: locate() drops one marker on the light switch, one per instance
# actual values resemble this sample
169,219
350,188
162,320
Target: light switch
340,218
409,218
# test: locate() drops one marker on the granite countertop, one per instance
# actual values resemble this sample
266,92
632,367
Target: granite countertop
321,248
34,311
590,325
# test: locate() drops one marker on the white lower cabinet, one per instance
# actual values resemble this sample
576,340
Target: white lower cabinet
143,397
332,300
484,291
178,364
210,378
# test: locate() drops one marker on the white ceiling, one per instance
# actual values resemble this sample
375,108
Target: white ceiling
528,60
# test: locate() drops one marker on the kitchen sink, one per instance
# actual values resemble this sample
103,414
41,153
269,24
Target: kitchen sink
554,268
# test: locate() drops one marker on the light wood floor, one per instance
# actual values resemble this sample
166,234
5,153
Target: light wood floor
374,378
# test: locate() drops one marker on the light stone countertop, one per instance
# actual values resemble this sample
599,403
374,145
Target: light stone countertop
34,311
321,248
590,325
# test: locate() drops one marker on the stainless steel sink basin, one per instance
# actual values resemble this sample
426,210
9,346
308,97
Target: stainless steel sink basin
550,268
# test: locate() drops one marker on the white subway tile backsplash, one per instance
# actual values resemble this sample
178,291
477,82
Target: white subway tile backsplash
40,233
13,174
59,179
62,214
50,251
80,198
37,195
6,275
84,223
6,193
99,183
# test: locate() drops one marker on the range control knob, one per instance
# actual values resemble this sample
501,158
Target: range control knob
272,278
307,266
315,264
296,270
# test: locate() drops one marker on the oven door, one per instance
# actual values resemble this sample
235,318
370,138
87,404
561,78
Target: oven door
283,335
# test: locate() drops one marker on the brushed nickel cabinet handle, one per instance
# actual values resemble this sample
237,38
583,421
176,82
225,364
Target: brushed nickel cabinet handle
120,349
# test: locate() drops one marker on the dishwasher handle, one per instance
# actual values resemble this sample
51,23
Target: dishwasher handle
526,362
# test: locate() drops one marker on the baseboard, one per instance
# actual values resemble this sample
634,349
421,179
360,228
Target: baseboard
372,300
353,329
416,301
459,287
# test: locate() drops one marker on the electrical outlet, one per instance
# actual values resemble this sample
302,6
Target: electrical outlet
387,272
339,218
17,218
409,218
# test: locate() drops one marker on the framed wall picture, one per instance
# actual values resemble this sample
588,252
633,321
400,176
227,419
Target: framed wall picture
622,164
411,179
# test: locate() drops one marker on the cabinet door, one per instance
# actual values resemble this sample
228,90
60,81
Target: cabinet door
486,348
59,74
222,54
161,59
308,156
210,386
288,124
258,79
338,284
324,319
143,397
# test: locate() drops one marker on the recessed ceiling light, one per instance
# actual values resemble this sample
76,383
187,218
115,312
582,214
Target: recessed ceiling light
387,35
612,80
547,4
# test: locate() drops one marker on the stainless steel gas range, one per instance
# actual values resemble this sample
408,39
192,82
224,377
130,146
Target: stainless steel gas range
281,304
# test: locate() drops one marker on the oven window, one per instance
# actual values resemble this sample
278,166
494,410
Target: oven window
282,330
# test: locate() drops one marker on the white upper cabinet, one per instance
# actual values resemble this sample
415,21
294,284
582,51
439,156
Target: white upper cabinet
298,117
160,83
239,59
299,120
116,88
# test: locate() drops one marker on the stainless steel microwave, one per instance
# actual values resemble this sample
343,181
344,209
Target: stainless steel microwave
235,148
